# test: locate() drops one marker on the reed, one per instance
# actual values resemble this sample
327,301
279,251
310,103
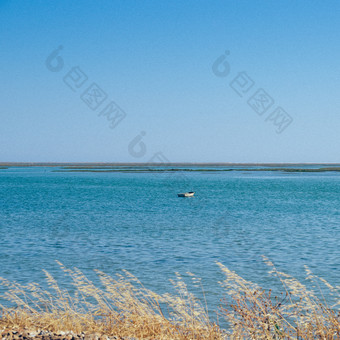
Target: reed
123,307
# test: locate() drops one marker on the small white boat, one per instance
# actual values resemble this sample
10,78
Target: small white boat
186,194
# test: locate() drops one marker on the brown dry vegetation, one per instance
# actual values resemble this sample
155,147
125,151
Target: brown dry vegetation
124,308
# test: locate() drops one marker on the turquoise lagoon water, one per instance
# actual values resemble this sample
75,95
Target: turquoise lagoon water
135,221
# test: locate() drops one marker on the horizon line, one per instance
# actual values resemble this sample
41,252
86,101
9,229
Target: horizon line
158,163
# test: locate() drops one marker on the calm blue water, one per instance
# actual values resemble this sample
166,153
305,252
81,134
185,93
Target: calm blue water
135,221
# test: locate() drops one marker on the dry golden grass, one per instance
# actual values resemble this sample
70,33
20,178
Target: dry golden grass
123,307
295,314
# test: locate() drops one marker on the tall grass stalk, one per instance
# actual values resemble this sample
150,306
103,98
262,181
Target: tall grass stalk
121,306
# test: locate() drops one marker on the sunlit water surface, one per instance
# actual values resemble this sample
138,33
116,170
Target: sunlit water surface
135,221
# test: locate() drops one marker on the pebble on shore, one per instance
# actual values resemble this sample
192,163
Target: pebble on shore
28,334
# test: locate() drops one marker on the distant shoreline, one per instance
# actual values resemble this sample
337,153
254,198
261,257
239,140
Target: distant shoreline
96,164
180,167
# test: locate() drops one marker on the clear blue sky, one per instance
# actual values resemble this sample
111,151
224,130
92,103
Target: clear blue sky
154,59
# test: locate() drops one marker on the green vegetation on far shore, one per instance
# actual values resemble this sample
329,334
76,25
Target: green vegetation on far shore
145,170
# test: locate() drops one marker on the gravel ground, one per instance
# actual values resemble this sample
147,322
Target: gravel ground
27,334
